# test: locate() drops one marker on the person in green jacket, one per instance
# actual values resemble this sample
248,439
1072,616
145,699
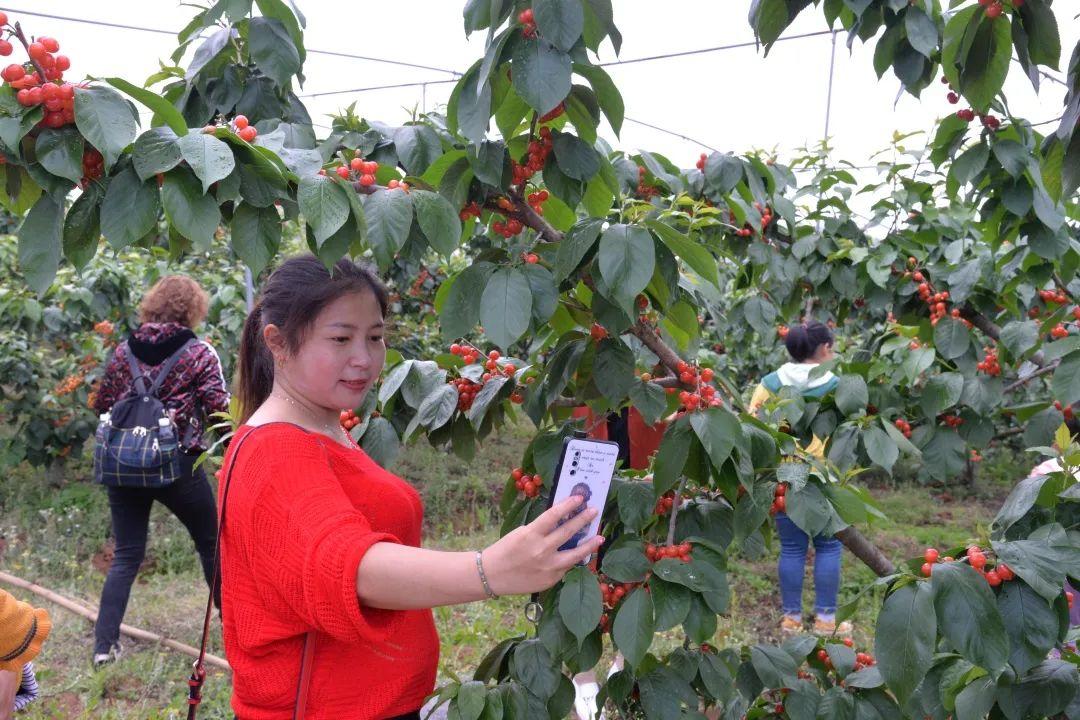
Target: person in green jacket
809,345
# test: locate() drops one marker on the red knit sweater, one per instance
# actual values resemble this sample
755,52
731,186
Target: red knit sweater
302,511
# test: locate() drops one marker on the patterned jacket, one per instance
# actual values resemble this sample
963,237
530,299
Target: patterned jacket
195,387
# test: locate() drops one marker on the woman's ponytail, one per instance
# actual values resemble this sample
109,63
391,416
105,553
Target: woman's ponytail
255,369
803,340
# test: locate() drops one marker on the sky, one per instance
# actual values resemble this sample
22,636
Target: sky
733,100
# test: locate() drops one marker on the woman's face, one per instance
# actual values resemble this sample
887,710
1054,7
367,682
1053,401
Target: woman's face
342,353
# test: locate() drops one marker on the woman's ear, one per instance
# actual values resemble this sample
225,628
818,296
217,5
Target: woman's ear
275,341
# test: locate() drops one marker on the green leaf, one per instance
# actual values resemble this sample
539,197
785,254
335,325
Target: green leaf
164,110
635,501
809,509
459,316
650,400
106,121
1043,560
1031,623
40,243
129,210
469,108
1044,40
290,17
975,700
694,255
941,392
905,636
506,306
532,665
417,147
774,666
851,394
325,207
545,294
607,94
968,617
82,227
484,398
438,220
922,33
256,235
580,605
719,432
272,50
575,245
489,161
193,214
627,260
1066,381
470,700
156,151
613,372
951,338
880,448
389,215
1019,336
626,563
986,63
672,454
672,603
1047,690
769,18
1012,155
633,628
560,21
575,158
61,152
14,129
438,407
210,159
541,74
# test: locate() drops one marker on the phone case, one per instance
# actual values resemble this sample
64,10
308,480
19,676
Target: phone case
586,465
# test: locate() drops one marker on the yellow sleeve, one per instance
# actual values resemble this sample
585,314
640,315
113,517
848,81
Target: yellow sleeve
761,394
816,448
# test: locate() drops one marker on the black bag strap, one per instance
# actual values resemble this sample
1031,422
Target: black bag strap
168,365
136,373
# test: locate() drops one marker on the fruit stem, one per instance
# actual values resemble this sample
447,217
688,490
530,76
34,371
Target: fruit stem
18,33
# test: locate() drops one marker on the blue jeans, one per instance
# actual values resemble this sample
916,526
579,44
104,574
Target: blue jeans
794,544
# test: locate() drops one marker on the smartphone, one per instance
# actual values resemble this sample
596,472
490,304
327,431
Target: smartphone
585,468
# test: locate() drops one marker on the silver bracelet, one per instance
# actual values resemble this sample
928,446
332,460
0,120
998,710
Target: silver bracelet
483,578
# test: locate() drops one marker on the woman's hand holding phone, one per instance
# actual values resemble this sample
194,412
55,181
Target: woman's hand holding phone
528,559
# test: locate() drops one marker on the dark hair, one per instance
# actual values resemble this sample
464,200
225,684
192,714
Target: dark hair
292,297
803,340
588,490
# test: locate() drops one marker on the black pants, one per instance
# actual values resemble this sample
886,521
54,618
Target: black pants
191,500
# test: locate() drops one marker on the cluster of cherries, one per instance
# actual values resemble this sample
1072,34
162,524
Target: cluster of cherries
528,23
529,485
779,502
1059,331
903,426
644,189
239,125
538,152
348,419
681,552
701,162
989,364
598,332
705,394
953,421
994,8
976,559
666,503
93,166
359,168
467,353
1065,410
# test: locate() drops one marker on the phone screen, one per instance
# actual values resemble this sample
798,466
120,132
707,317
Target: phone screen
585,468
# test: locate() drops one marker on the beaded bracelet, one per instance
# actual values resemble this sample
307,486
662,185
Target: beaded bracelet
483,578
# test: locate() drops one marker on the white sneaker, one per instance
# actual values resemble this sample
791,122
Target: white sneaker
585,700
114,654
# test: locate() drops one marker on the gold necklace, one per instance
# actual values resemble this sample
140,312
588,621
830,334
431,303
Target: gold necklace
338,436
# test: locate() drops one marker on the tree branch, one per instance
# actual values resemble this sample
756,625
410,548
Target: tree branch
650,339
675,511
991,330
1023,381
866,551
26,46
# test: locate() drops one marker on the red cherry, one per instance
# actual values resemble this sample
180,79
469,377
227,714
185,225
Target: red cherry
927,568
248,134
240,121
367,180
13,72
54,120
5,47
994,10
36,51
63,62
3,18
50,44
931,555
525,17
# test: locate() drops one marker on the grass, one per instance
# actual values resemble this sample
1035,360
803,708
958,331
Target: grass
56,537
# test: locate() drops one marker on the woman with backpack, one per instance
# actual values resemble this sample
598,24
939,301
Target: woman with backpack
326,592
809,345
164,361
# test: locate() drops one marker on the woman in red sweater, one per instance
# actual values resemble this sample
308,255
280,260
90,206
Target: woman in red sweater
320,547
